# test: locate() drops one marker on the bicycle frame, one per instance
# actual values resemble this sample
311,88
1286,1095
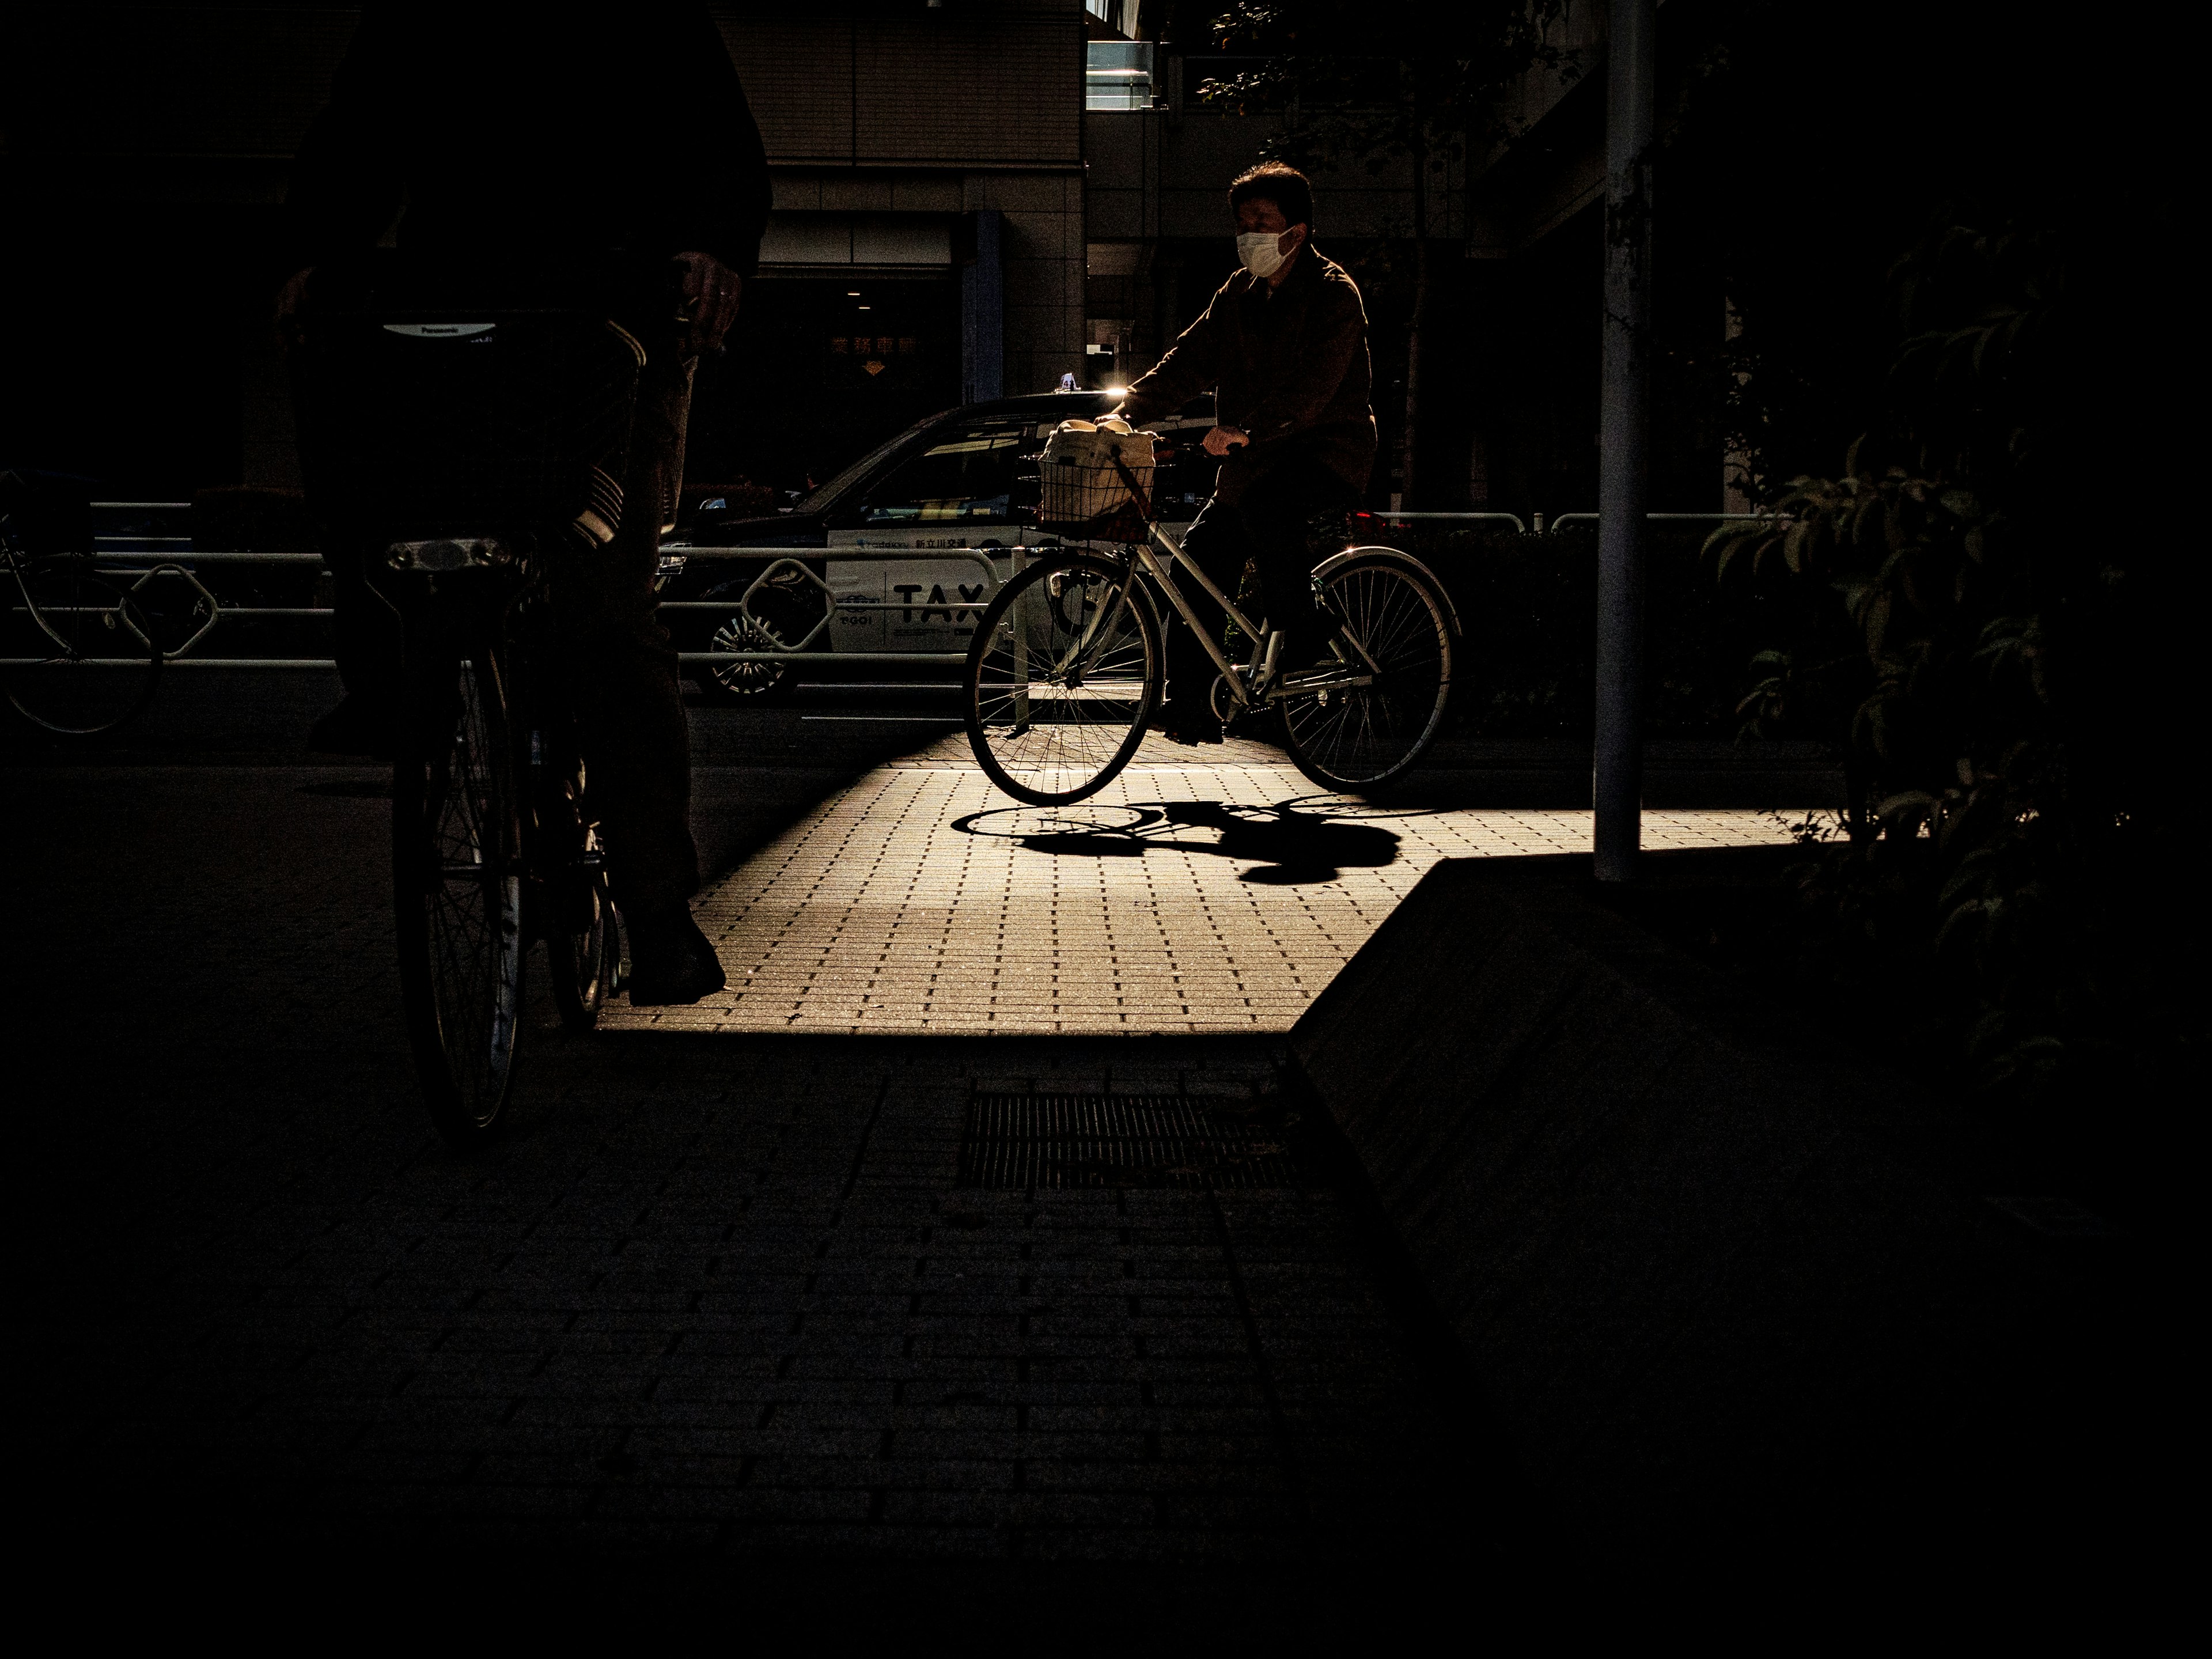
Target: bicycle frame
1266,641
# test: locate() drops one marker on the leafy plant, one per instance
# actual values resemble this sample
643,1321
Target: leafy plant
1965,624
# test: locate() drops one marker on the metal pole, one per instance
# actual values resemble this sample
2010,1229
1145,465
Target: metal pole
1617,759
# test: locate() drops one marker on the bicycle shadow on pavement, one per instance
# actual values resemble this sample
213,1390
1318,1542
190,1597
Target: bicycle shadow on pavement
1293,843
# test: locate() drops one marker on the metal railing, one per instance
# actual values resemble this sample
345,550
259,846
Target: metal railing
1560,522
834,604
150,558
1565,519
147,557
1513,519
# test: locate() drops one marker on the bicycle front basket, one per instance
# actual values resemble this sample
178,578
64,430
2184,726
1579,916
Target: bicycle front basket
1083,494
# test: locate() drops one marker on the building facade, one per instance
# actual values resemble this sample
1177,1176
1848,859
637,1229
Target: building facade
972,197
927,245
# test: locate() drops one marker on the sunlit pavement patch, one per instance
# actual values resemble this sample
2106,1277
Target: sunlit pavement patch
1202,891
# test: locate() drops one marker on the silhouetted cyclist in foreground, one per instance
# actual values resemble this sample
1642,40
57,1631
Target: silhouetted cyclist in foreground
529,138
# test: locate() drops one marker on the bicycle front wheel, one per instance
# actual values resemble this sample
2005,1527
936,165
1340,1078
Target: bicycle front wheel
1064,671
457,894
1371,712
584,952
82,657
583,941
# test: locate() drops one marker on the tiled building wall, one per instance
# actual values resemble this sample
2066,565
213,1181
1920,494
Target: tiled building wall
892,108
185,117
1043,253
895,83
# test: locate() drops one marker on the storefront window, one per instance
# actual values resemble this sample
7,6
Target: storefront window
1118,75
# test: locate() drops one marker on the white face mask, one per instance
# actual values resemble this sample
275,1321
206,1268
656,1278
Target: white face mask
1259,252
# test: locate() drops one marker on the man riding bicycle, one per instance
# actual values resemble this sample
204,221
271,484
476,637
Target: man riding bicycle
529,138
1283,345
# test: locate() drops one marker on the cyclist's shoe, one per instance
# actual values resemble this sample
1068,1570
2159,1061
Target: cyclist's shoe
1177,724
670,960
355,727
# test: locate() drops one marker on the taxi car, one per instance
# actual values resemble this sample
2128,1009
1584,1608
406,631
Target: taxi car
891,561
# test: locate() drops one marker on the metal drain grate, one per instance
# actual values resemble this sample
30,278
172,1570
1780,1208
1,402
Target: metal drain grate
1125,1141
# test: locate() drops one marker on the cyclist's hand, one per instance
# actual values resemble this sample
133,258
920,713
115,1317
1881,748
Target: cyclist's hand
291,300
710,291
1223,439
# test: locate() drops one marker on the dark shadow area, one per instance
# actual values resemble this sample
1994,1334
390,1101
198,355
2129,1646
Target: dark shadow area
1752,916
1289,845
1705,1262
280,1315
756,772
351,788
1678,774
208,1409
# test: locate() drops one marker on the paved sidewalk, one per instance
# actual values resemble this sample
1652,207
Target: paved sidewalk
1190,897
721,1295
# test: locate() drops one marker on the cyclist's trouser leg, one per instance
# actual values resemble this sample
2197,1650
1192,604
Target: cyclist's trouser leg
622,670
1293,523
1216,543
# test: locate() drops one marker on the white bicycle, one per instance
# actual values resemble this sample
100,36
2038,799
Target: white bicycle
1068,661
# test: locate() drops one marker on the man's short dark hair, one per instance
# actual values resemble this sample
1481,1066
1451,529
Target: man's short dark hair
1277,182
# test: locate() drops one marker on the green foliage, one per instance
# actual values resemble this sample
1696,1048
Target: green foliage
1921,655
1374,84
1966,645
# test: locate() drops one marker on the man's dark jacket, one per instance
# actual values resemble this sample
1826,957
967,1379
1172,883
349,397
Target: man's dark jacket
1288,365
560,131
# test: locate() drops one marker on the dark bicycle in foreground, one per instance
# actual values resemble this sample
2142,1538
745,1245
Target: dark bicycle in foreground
478,444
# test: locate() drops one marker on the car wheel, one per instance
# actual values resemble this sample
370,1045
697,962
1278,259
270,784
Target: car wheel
772,625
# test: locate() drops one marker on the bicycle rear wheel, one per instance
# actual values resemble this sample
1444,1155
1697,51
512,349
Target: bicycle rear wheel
82,657
1348,735
457,894
1064,671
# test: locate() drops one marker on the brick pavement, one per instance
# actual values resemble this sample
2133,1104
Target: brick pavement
712,1294
1186,898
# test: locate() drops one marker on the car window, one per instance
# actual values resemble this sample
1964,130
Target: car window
825,496
972,472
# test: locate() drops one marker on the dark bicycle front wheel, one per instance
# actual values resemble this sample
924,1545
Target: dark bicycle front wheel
585,952
82,657
583,940
457,894
1063,675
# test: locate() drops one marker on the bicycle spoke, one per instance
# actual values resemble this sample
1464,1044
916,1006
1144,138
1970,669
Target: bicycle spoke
469,905
1350,735
1059,679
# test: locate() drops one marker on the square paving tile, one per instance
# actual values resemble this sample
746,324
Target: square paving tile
1183,898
